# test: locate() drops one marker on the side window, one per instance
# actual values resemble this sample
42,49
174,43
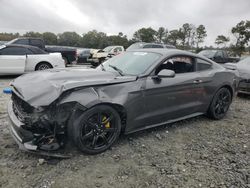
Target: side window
219,54
119,49
36,42
28,51
202,65
22,41
14,51
157,46
147,46
178,64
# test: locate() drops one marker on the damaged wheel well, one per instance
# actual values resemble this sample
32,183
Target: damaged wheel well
122,112
119,108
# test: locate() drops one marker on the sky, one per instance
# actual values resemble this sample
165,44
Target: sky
127,16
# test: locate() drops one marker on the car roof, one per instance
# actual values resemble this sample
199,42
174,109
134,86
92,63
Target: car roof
164,51
34,49
21,45
29,38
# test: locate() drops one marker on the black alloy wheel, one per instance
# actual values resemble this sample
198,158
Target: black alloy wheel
220,104
97,129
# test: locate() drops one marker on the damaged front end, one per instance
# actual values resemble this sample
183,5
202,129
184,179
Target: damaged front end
41,129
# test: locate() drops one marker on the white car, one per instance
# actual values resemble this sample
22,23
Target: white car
98,56
19,59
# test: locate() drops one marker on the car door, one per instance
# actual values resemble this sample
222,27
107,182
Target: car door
167,99
206,72
12,60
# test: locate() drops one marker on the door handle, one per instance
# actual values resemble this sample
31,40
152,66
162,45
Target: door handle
197,81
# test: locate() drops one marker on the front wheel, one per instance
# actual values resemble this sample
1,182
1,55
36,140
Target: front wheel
96,129
220,104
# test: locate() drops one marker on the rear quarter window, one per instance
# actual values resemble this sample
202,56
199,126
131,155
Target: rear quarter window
202,65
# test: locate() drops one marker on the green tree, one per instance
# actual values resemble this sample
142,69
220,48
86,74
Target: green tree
242,34
200,35
8,36
49,38
173,37
161,34
145,35
69,39
94,39
118,40
221,40
33,34
187,32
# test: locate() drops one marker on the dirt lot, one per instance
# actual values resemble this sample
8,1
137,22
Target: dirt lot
191,153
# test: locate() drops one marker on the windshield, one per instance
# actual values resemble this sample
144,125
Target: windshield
245,61
108,49
208,53
131,63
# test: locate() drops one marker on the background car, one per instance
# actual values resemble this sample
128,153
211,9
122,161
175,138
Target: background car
219,56
68,53
140,45
83,55
243,67
127,93
97,57
18,59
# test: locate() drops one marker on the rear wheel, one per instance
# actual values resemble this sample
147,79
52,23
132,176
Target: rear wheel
43,66
96,129
220,104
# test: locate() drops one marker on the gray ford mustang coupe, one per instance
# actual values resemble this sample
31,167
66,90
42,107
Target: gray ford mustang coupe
133,91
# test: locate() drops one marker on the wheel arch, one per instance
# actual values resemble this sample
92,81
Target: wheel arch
118,107
41,62
229,88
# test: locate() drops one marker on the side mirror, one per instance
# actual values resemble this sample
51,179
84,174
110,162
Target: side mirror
165,73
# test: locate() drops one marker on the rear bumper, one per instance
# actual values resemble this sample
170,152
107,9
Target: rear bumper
24,138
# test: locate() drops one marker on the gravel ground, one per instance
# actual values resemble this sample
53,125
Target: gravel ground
193,153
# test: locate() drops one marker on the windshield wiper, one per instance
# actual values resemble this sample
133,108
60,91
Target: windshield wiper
117,69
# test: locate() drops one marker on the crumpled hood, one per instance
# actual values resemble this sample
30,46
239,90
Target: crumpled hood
43,87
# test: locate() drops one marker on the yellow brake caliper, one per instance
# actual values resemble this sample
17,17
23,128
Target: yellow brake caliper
107,124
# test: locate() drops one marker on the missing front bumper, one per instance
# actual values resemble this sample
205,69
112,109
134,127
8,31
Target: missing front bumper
24,138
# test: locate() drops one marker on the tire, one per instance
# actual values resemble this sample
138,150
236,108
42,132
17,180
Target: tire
96,129
66,62
220,104
43,66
